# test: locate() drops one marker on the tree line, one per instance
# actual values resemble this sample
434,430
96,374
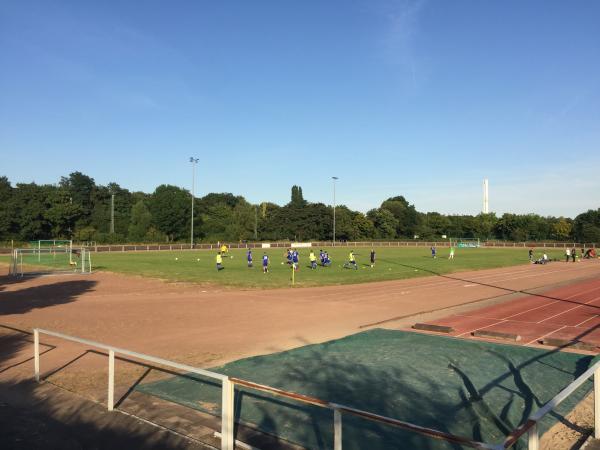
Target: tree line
77,208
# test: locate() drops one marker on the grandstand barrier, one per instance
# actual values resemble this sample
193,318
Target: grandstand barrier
227,434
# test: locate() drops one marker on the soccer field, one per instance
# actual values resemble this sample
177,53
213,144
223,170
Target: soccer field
392,263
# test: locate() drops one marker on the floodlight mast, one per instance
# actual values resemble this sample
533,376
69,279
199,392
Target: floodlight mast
194,161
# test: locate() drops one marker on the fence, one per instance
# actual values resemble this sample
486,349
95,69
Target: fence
287,244
228,396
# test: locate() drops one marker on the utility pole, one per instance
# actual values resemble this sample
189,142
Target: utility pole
334,180
194,161
112,213
255,222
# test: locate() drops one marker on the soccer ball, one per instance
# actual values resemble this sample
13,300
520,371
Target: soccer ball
176,258
198,259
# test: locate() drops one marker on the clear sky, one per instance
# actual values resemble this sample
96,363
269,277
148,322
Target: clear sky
416,98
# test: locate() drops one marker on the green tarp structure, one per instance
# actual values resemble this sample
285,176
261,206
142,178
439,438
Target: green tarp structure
469,388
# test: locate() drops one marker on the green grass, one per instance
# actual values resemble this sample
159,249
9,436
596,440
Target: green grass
392,263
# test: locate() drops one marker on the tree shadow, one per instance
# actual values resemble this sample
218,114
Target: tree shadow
7,280
494,286
24,300
37,416
461,400
12,342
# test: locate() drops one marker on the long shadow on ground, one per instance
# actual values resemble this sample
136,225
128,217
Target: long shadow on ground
477,390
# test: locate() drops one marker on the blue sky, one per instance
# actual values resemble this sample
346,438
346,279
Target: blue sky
416,98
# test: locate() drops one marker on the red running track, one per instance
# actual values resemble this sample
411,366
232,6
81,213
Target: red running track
569,313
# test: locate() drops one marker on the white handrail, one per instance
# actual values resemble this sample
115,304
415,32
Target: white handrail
227,387
531,424
227,396
154,359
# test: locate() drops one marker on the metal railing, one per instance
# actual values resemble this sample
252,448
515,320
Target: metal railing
530,426
227,407
99,248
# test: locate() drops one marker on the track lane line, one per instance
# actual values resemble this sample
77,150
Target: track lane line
544,335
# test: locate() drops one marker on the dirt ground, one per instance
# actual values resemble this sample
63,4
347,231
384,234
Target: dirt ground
207,326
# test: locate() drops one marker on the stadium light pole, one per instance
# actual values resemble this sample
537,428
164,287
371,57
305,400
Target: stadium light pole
194,161
334,180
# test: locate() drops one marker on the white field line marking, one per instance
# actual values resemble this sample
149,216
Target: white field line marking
586,320
449,282
530,267
544,335
531,309
569,297
497,318
480,328
570,309
498,280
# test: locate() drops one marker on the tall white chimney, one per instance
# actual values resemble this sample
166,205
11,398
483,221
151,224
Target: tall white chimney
486,199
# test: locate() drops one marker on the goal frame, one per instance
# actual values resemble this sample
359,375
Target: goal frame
18,267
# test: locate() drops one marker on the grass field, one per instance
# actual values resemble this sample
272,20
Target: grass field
392,263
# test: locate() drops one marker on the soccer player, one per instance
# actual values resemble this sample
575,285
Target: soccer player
326,260
219,261
289,256
351,261
265,263
568,254
295,259
433,250
249,257
313,260
530,255
322,257
372,258
224,250
451,252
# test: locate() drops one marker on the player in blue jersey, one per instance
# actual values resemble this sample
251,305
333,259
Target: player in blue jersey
265,263
295,259
249,257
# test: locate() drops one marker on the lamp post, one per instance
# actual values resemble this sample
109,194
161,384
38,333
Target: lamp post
334,180
194,161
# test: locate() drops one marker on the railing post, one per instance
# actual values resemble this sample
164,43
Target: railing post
597,403
534,438
337,429
36,354
227,415
111,379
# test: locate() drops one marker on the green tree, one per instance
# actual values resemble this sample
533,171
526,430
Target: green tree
362,228
385,223
407,217
562,229
297,200
6,209
141,220
587,226
170,208
61,213
29,204
80,188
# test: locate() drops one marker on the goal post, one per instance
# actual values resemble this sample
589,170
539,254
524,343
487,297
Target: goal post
50,260
465,242
53,244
